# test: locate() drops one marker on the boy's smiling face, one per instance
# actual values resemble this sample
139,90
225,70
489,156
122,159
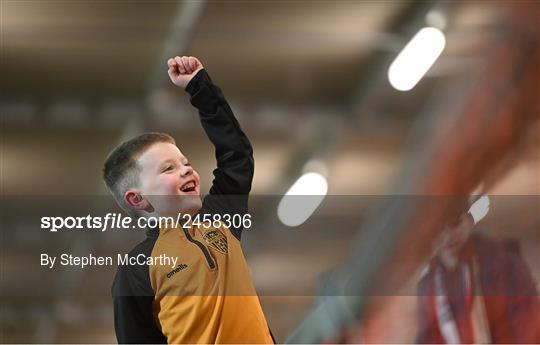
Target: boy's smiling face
167,180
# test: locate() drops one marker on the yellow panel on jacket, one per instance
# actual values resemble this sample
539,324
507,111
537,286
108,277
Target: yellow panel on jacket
208,296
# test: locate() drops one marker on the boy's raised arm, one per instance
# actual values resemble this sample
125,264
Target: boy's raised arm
234,154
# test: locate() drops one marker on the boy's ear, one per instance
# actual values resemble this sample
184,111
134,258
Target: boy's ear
134,199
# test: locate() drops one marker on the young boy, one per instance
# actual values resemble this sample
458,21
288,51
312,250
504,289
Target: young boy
208,296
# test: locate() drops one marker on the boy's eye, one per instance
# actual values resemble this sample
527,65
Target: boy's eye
187,164
168,168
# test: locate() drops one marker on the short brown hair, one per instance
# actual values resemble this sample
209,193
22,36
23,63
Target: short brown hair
121,172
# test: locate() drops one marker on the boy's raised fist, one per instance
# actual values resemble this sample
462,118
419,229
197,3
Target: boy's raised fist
182,69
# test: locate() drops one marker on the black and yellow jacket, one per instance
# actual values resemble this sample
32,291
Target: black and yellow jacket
208,297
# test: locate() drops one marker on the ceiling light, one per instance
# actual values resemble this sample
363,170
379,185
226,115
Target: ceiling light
302,199
416,58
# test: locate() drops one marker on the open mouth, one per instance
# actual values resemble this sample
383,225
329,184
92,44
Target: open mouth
188,187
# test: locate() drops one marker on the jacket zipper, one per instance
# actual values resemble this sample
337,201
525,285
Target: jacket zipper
209,259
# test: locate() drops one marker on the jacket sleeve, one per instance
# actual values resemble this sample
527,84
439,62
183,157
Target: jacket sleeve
426,320
523,308
133,317
233,151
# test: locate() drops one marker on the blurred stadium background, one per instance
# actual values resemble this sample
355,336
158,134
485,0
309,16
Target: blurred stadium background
307,81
